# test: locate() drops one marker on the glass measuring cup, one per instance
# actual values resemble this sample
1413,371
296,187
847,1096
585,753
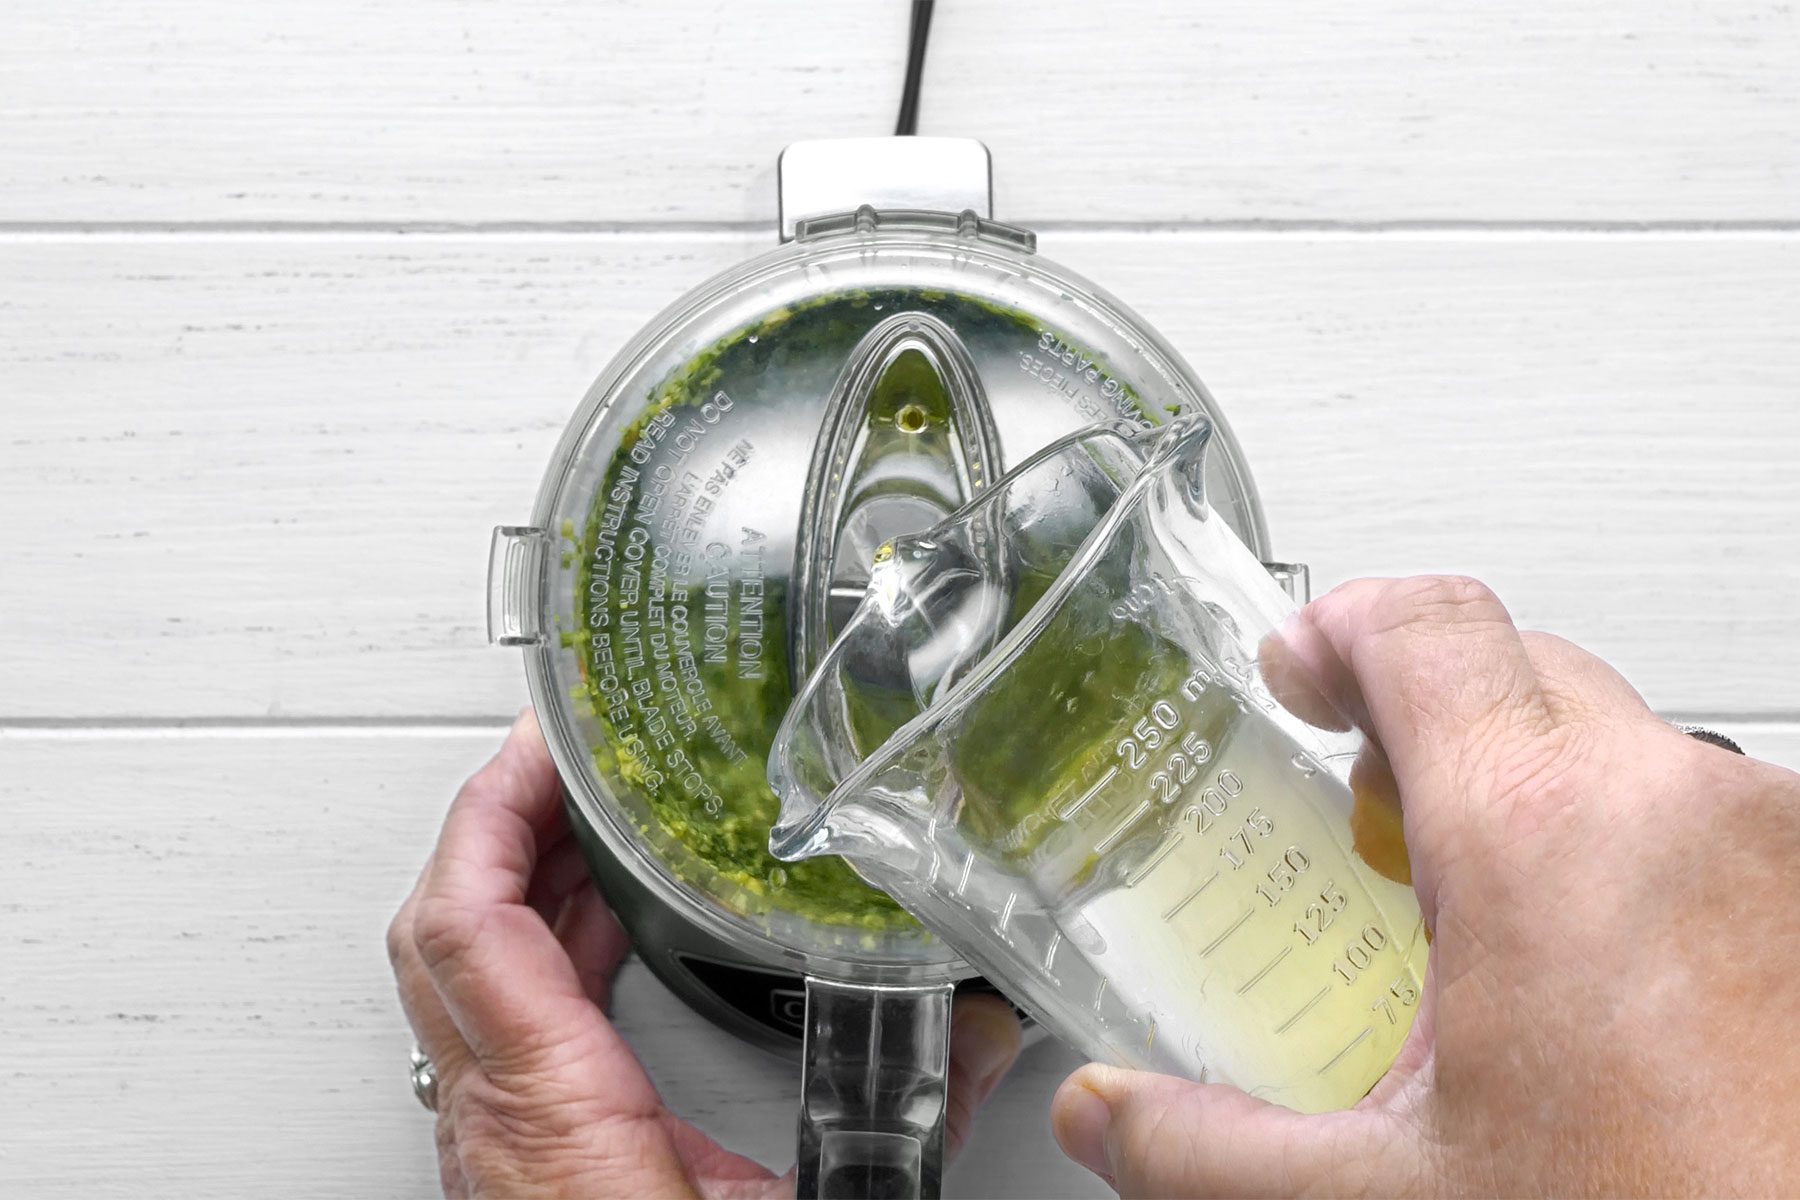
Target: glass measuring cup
1046,733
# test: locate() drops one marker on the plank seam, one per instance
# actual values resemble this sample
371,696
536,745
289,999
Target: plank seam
48,728
738,228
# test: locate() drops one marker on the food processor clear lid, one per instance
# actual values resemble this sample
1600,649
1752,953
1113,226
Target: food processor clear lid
711,512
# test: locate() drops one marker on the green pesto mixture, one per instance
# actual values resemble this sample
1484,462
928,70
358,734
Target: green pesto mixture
733,838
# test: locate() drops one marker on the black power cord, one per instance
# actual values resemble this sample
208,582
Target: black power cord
908,124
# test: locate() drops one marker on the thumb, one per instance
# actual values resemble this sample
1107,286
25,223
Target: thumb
1155,1135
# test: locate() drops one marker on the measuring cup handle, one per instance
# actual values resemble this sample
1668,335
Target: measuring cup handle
872,1091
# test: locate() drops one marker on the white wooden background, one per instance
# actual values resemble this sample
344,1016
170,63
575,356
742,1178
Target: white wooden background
295,299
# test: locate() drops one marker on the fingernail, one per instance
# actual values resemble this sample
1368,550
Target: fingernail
984,1040
1082,1119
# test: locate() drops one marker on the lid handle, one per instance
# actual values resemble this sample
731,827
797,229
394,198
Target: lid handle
515,569
906,440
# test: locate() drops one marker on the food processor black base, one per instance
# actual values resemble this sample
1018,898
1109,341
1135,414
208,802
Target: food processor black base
756,1001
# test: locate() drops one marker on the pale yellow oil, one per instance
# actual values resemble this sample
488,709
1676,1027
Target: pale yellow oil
1212,881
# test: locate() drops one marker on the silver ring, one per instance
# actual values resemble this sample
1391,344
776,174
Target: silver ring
424,1078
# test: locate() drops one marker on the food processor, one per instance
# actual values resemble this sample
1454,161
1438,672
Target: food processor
706,526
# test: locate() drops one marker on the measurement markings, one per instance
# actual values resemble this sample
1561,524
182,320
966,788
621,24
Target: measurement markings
1233,928
1155,860
1111,773
1006,912
1106,842
1267,967
1050,951
1354,1043
1304,1009
1188,899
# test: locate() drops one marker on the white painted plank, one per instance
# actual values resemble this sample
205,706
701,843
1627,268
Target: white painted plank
198,1003
254,476
559,110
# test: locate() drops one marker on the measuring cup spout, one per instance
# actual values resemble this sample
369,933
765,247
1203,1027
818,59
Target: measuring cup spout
808,760
935,604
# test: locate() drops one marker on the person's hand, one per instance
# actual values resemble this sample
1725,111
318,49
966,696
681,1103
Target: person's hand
504,953
1614,986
